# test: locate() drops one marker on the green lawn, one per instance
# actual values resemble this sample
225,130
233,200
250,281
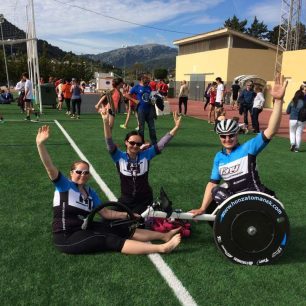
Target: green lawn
33,272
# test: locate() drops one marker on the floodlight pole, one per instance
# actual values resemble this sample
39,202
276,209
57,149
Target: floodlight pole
4,54
124,64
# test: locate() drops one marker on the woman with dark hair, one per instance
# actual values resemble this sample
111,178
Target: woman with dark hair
76,99
295,125
111,100
72,203
133,164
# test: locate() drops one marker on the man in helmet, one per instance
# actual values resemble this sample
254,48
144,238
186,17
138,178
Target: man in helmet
235,164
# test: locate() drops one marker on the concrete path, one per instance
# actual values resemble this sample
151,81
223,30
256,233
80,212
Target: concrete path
195,109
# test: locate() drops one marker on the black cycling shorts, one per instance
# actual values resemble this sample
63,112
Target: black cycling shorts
97,239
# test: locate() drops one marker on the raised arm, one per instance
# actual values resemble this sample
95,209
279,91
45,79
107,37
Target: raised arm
277,92
164,140
41,138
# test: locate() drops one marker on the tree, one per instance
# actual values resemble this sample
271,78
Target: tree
272,36
235,24
258,29
160,74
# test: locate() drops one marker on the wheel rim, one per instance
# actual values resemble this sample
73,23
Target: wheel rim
252,231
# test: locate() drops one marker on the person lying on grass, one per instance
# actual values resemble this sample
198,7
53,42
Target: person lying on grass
133,164
74,200
236,164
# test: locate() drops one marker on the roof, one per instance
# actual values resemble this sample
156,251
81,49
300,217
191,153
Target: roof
222,32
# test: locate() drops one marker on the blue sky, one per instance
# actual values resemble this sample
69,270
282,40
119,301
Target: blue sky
99,26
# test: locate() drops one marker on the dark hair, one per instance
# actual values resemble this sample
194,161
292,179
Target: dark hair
117,81
218,79
299,95
132,84
134,133
72,167
26,75
236,82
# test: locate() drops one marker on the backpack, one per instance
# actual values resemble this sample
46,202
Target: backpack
302,113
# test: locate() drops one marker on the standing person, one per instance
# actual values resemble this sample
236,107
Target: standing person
131,108
72,203
240,158
153,85
219,94
28,95
206,95
66,88
20,88
246,102
133,164
76,99
145,110
60,95
295,125
112,99
212,92
183,97
258,105
235,94
162,88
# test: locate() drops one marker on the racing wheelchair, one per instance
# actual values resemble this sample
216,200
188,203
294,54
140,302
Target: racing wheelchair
250,228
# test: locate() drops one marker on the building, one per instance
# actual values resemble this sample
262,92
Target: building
222,53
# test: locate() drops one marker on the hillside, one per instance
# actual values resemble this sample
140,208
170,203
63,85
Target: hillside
150,56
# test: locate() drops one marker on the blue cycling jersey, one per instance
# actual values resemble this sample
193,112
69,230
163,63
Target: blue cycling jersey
70,207
238,168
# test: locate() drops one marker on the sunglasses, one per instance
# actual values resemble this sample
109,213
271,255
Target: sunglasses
230,136
133,143
83,172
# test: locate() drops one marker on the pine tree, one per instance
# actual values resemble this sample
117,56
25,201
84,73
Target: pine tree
235,24
258,29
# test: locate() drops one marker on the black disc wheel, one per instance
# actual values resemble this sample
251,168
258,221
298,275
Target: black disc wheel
127,225
251,228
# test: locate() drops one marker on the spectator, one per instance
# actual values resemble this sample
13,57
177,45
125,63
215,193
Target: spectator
145,110
153,85
246,102
60,95
258,104
76,99
6,97
183,97
66,89
296,126
20,88
235,94
219,94
132,107
206,95
111,100
212,92
162,88
28,96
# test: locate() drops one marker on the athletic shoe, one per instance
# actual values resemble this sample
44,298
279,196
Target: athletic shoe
122,126
1,120
137,128
296,150
78,117
72,117
27,118
292,148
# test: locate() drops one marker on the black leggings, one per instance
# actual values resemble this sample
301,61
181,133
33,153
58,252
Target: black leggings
97,239
76,106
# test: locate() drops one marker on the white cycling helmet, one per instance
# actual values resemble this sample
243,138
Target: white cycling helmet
227,126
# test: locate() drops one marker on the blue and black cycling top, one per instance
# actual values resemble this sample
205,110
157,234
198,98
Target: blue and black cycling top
238,168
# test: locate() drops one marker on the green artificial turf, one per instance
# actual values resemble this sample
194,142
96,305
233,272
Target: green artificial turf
33,272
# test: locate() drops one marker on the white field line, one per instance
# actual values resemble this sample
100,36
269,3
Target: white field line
174,283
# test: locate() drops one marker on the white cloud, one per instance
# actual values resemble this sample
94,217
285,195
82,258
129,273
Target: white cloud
269,13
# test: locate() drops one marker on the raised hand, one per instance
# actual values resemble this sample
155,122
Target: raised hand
177,119
279,88
42,134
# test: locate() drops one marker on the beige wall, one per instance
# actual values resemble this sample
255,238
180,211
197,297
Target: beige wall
251,61
214,63
293,68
